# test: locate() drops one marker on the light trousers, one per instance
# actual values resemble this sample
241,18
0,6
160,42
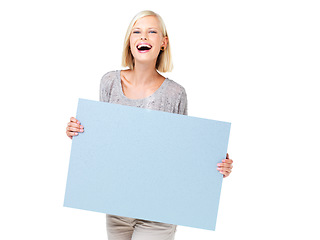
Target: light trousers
124,228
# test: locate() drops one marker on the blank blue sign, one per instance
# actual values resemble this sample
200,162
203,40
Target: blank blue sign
147,164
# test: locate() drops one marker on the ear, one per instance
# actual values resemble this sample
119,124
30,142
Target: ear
165,42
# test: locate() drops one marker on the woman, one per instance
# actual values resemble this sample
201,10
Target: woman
146,50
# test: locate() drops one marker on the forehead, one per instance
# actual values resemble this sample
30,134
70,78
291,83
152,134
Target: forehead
147,21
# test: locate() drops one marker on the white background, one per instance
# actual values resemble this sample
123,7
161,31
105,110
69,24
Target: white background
252,63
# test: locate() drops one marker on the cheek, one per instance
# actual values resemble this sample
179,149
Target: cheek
132,42
158,41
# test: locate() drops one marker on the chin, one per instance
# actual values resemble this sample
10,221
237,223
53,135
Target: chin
145,59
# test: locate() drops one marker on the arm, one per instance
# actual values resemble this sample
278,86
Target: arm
183,103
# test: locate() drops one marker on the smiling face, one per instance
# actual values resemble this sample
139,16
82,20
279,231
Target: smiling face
146,39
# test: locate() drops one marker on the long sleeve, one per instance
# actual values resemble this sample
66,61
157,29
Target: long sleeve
105,87
102,92
183,103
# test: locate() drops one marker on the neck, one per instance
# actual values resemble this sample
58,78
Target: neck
144,74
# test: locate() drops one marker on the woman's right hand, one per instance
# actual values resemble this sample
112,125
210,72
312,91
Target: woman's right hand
74,127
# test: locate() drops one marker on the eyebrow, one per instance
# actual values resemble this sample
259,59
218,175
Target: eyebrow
148,28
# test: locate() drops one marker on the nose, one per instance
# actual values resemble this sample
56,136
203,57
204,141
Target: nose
144,38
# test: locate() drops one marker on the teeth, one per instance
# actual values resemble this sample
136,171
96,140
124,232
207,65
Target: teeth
143,45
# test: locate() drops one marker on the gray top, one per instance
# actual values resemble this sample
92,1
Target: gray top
169,97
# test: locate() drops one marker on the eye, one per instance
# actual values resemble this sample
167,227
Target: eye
153,31
135,32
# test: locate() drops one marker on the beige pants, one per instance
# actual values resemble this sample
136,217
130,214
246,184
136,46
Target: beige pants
124,228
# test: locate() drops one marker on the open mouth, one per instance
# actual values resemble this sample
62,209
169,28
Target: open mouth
144,47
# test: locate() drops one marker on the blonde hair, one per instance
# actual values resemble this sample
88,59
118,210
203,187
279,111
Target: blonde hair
164,60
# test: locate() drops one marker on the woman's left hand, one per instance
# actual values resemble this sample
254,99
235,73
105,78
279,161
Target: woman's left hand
225,167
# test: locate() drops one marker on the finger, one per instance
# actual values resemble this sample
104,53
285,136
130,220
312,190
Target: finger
72,119
227,161
73,129
227,157
76,125
226,175
71,134
225,169
227,165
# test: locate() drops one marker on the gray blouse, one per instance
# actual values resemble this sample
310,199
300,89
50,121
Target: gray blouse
169,97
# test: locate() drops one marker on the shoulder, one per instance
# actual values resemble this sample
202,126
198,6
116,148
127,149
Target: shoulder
109,76
107,83
176,89
108,80
179,94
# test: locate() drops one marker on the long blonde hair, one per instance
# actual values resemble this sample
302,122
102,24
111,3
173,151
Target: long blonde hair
164,61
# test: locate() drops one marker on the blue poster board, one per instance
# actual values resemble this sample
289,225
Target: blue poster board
147,164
